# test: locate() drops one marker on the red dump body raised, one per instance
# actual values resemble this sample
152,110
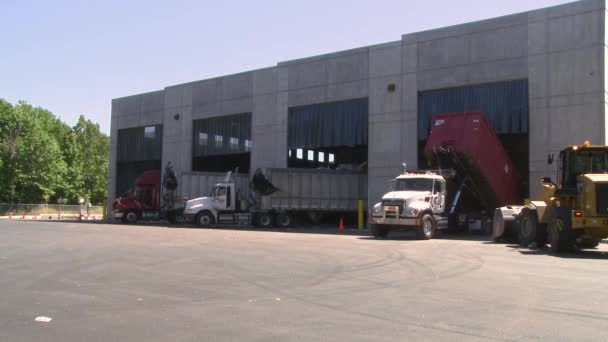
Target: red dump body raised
471,138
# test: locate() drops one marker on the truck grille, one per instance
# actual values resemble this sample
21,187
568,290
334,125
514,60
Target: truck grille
392,203
601,191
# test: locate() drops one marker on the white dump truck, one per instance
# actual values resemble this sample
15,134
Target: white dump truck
275,196
474,176
417,201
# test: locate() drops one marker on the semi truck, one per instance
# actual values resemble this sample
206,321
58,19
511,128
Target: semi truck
275,195
153,199
471,175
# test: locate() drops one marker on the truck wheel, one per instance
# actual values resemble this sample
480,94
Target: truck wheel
560,232
204,219
426,230
528,225
130,217
176,217
498,226
378,231
588,243
284,220
264,220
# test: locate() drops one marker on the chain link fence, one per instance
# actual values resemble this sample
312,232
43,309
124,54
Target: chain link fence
62,210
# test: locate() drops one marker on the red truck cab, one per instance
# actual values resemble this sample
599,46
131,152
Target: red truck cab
143,202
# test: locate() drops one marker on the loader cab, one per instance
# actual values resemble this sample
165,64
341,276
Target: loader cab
578,160
223,196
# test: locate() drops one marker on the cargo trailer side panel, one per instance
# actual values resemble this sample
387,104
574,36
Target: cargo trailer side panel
314,190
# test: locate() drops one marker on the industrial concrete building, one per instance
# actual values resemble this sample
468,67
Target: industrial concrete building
539,76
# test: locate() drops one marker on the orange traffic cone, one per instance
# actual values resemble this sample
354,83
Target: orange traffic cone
23,216
10,215
341,226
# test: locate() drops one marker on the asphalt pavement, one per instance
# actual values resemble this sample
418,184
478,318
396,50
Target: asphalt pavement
64,281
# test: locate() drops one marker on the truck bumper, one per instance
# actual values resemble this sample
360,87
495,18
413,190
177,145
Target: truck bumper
189,217
394,221
117,215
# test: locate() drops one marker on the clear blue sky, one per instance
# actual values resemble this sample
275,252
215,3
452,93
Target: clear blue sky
73,57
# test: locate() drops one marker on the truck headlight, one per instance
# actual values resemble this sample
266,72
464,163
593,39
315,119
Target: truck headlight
412,211
377,209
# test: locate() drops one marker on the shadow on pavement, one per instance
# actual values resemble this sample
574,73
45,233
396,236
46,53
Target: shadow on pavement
546,251
297,229
411,236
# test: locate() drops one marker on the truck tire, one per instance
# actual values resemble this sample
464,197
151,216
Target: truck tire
176,217
284,219
561,236
130,217
528,226
498,226
204,219
426,230
588,243
529,230
264,220
378,231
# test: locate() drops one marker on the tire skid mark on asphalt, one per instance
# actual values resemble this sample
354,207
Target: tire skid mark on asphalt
304,299
288,295
580,314
391,257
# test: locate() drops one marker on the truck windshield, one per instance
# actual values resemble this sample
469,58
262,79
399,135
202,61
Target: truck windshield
218,190
413,184
591,161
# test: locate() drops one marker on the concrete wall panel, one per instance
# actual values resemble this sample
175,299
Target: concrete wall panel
237,86
207,91
348,68
575,71
205,110
307,75
265,81
236,106
409,57
445,52
494,71
264,110
510,42
537,38
443,78
575,31
307,96
385,60
381,100
348,90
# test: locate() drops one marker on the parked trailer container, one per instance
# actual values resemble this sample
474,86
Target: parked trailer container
313,190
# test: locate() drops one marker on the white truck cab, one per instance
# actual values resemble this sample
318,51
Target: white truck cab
220,205
416,201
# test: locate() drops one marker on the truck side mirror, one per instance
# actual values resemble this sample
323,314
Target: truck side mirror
550,158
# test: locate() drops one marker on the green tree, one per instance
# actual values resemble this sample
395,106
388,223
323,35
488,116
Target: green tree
14,122
42,158
89,167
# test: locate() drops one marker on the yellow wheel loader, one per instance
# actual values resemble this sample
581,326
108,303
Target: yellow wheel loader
572,213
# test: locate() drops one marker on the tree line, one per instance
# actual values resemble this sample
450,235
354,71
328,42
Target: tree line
42,159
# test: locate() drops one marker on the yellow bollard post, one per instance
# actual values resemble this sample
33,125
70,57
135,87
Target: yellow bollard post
360,214
104,212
